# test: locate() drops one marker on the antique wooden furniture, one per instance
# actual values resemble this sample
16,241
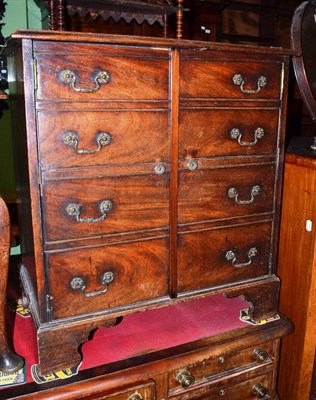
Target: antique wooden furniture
141,11
297,269
234,360
150,173
297,265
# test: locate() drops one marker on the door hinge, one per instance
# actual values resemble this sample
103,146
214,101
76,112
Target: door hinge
49,306
40,183
35,74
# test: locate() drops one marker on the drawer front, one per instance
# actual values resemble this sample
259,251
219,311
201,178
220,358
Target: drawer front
100,76
69,139
78,208
217,257
101,278
209,194
221,363
204,79
245,390
143,392
227,132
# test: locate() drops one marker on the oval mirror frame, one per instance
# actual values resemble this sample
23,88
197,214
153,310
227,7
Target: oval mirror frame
303,41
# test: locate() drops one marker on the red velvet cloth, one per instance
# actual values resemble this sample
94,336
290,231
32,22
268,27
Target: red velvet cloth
141,333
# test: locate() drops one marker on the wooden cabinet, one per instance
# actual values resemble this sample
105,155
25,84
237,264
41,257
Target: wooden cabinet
236,364
150,173
297,269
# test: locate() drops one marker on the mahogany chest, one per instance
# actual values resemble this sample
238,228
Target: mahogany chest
149,173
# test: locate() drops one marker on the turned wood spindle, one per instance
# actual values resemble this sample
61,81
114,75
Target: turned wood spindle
60,15
165,25
51,15
179,15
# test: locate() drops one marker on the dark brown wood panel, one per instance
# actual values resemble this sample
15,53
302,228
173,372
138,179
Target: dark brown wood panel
138,202
225,362
239,391
207,194
147,76
133,137
218,257
217,132
136,272
214,79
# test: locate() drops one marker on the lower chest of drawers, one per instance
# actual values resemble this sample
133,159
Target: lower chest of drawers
241,364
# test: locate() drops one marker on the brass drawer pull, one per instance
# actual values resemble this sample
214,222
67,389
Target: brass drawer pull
185,379
239,81
69,77
231,256
135,396
260,391
70,138
73,210
233,194
260,355
236,134
79,283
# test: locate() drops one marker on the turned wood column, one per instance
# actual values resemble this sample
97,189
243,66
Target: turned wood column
9,362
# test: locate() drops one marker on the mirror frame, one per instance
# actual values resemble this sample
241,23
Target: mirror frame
298,61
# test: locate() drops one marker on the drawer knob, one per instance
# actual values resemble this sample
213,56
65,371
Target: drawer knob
74,210
135,396
260,391
260,355
185,379
239,81
231,256
69,77
70,138
160,169
79,283
233,194
192,165
237,135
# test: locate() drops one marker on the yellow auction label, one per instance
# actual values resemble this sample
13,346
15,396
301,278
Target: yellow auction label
245,316
63,374
12,379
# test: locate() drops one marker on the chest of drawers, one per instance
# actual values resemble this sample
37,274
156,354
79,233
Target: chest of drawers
149,173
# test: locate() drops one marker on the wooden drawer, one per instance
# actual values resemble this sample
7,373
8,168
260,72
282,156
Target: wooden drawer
141,392
102,138
245,390
78,73
222,363
227,132
206,79
113,276
109,205
217,257
217,193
